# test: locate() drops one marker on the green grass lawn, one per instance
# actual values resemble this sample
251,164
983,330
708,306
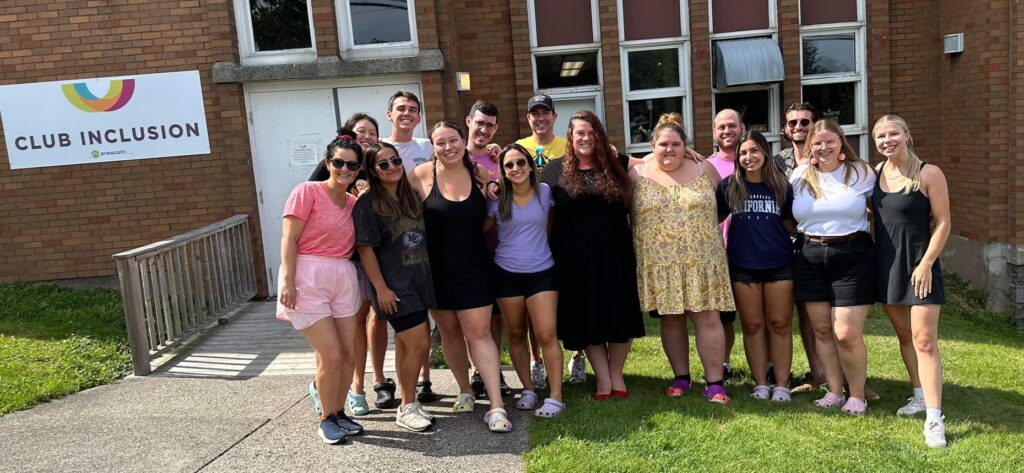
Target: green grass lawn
983,357
56,341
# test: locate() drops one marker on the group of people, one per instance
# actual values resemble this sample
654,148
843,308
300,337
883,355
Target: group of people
573,242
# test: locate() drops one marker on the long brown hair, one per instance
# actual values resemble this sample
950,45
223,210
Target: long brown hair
737,190
404,202
854,165
505,185
610,178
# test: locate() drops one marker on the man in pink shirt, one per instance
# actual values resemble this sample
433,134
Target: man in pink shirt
728,130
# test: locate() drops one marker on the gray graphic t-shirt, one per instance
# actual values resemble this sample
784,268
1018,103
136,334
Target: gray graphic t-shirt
401,250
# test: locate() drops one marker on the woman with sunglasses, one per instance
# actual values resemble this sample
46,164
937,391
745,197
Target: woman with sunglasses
682,271
370,332
318,286
454,208
833,266
592,244
391,237
525,275
910,196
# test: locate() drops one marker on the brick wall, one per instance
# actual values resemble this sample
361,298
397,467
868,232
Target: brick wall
608,25
66,222
700,76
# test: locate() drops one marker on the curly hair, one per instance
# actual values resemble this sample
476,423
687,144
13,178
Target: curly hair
610,178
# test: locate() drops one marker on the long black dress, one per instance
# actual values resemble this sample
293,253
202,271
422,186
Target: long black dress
595,266
902,232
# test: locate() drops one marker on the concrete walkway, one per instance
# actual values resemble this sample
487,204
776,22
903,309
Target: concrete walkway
230,406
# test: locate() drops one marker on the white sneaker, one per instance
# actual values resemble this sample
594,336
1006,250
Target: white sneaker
935,433
577,369
915,405
425,413
538,375
410,418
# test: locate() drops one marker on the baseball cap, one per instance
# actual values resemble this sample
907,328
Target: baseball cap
540,99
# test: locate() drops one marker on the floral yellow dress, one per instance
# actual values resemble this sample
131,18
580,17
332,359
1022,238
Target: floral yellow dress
681,263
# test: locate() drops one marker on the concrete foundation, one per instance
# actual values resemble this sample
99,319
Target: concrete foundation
997,268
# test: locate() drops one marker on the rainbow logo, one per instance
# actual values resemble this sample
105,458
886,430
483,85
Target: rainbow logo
118,95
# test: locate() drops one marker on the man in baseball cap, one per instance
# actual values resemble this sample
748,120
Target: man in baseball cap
540,114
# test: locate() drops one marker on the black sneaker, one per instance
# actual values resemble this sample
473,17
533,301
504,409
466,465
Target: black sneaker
350,426
477,384
505,390
424,393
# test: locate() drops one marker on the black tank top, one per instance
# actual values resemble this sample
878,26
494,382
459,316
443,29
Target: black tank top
455,237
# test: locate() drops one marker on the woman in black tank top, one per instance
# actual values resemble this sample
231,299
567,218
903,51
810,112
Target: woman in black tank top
454,209
909,197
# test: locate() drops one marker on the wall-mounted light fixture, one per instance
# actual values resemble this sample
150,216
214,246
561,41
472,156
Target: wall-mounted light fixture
462,81
953,43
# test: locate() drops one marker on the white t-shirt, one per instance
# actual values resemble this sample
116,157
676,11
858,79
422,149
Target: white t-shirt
841,210
413,153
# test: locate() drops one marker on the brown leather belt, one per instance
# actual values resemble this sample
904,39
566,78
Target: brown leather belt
832,240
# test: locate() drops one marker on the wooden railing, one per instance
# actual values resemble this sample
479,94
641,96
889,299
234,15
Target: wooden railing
174,288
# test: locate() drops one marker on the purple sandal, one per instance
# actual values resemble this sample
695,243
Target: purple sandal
549,408
678,388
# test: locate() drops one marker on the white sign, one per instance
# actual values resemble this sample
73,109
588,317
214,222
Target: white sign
102,120
303,154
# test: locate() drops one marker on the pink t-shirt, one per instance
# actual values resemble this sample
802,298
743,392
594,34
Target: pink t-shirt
488,164
329,230
725,169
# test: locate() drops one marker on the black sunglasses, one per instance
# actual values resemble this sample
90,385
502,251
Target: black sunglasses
340,163
802,122
510,165
386,164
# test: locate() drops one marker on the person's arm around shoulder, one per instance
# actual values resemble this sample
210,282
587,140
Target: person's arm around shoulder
711,172
483,179
936,189
722,199
419,177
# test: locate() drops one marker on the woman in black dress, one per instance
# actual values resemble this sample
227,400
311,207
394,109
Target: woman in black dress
591,240
910,196
454,209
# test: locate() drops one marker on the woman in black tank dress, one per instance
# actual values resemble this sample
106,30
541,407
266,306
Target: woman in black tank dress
908,197
454,209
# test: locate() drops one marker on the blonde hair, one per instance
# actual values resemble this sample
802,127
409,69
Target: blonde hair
854,166
912,181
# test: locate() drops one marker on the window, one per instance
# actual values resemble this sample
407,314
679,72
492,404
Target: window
566,48
833,64
275,31
376,28
745,39
655,51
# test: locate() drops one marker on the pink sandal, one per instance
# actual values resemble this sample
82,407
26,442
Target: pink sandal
830,401
855,406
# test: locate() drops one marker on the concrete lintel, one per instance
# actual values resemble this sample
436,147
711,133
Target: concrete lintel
328,68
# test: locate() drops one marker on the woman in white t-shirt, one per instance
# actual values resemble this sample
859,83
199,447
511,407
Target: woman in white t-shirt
834,261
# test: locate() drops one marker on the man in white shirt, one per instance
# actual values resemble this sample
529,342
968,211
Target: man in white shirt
405,113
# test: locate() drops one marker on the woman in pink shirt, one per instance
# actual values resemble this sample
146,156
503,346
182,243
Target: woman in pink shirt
318,287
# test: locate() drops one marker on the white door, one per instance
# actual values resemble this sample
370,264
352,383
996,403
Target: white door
567,106
290,131
374,101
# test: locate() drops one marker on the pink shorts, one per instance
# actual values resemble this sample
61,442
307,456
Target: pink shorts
325,287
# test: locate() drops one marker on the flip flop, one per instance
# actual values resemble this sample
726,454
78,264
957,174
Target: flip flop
549,408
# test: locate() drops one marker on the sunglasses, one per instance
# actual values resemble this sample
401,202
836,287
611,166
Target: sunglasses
519,163
802,122
386,164
340,163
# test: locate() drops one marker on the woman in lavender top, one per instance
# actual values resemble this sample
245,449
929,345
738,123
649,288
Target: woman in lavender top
524,273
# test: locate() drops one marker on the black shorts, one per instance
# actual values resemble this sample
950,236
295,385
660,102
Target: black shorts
509,284
782,273
408,321
727,316
842,274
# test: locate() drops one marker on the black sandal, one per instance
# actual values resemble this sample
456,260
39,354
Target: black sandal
424,393
385,394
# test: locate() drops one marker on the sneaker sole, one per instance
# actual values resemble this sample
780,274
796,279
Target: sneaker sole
411,428
327,440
